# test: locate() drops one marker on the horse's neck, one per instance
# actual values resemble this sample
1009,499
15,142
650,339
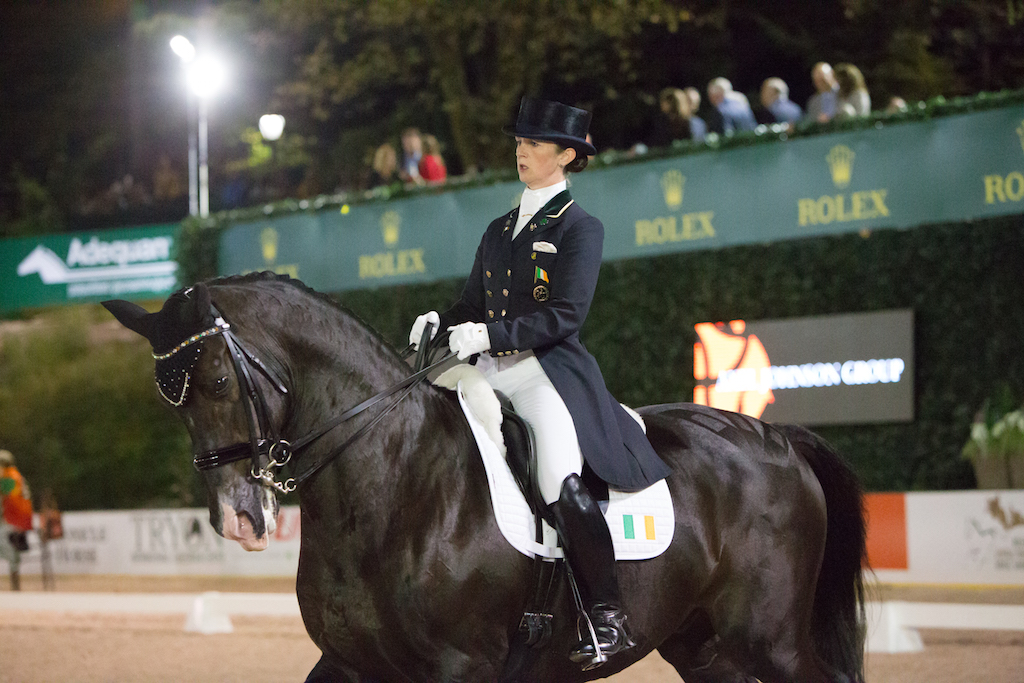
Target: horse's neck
404,478
334,363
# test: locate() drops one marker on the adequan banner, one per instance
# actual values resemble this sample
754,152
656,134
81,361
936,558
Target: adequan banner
948,169
134,263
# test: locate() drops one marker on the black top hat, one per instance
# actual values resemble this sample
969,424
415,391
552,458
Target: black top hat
553,122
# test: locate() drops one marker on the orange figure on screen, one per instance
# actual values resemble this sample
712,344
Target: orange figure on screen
728,347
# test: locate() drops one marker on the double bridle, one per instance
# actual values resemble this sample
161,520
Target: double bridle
264,442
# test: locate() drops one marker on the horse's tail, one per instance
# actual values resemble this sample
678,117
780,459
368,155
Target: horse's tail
838,622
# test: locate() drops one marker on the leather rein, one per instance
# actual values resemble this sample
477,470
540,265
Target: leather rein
265,444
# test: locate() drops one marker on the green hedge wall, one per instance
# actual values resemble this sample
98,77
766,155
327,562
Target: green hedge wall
965,283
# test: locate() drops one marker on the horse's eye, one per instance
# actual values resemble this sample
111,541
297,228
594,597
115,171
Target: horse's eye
221,385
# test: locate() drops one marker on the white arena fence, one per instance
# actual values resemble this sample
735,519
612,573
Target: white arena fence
961,537
973,538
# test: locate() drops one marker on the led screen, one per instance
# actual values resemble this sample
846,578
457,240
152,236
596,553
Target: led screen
836,369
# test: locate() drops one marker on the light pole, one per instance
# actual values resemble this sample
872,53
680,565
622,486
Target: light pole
205,76
187,52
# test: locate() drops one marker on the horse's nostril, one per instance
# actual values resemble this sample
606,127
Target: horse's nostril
243,519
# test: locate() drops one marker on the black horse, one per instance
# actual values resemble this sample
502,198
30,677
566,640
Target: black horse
403,573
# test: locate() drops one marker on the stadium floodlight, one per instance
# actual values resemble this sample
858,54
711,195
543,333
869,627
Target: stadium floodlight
271,126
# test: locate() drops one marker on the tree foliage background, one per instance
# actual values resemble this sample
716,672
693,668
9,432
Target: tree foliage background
80,411
90,91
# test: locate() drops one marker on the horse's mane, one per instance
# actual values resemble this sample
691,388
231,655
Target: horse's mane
264,277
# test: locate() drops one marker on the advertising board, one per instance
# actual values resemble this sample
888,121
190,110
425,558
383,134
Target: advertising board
836,369
168,542
949,537
133,263
948,169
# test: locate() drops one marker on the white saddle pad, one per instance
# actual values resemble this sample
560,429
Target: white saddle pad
641,524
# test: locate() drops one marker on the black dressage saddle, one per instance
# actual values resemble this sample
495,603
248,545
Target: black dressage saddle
521,457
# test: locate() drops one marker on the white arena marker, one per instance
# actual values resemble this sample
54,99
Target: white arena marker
887,631
206,615
892,626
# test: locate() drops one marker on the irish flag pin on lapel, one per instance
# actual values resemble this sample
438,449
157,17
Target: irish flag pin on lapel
540,291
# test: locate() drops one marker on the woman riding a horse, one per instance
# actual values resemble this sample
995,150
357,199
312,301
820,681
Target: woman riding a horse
521,310
762,576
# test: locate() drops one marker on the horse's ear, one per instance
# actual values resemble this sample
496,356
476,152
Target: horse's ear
134,317
186,312
201,296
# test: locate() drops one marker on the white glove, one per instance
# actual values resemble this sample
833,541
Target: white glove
468,338
420,325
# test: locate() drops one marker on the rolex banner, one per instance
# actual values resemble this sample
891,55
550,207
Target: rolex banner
899,175
132,263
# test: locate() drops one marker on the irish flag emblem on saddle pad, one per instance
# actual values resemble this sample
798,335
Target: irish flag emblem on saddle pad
641,524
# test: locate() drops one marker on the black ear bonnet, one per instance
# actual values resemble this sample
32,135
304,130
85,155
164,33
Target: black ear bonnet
186,318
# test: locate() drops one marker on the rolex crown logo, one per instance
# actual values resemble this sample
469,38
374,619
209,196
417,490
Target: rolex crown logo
672,183
268,241
389,223
840,162
1020,134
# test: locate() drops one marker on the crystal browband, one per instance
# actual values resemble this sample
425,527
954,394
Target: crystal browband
220,326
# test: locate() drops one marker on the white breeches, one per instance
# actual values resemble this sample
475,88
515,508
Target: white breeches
538,403
7,551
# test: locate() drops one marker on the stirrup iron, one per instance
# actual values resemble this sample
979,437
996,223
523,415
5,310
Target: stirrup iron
586,661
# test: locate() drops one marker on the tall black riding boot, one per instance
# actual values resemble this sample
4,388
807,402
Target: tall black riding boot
588,550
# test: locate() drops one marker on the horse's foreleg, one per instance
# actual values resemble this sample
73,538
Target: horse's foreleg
693,652
327,671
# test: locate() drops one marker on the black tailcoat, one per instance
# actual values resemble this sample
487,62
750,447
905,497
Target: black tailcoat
534,293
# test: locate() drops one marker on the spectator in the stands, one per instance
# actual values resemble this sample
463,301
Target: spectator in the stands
412,151
698,128
384,167
672,122
852,98
732,107
896,105
167,185
821,107
775,99
432,168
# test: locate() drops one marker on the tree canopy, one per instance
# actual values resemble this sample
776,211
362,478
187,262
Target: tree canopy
92,92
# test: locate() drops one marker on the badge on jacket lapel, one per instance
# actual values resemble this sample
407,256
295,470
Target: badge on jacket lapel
540,291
